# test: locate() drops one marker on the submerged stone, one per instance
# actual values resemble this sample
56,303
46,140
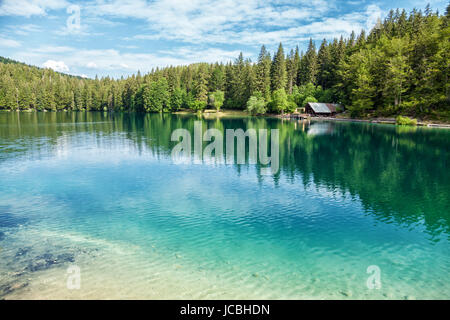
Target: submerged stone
48,260
39,265
22,252
11,287
65,257
346,293
8,219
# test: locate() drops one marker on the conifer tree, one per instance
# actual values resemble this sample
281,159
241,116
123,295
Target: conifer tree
278,71
311,64
262,73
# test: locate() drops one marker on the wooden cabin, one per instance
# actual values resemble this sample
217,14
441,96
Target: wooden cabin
321,109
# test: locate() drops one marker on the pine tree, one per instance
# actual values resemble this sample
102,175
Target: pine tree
249,81
324,62
201,85
311,64
397,72
217,79
262,73
360,82
278,71
292,69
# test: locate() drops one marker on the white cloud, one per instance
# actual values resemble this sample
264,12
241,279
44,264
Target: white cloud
9,43
252,22
211,55
112,61
59,66
129,47
25,29
29,8
202,21
54,49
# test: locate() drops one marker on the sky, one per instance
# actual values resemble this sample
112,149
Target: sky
119,37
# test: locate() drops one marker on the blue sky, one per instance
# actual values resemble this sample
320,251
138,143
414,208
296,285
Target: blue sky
119,37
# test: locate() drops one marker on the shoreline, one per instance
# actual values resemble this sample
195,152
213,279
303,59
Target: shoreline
241,113
392,121
384,121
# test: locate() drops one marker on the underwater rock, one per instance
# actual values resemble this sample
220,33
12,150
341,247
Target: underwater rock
48,260
22,251
11,287
18,285
2,236
8,219
39,265
16,273
346,293
65,257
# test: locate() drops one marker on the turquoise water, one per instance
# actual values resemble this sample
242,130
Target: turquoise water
100,191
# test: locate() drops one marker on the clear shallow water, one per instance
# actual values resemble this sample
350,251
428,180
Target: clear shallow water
100,191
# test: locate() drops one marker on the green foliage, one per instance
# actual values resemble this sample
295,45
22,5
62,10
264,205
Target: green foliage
307,93
311,64
292,65
197,105
177,99
256,105
309,99
216,99
339,109
239,84
405,121
201,84
359,76
291,107
278,71
279,101
188,100
154,97
262,73
217,79
326,96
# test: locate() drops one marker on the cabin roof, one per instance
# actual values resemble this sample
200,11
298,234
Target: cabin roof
322,107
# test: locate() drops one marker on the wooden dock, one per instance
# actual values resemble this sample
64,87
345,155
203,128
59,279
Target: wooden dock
299,116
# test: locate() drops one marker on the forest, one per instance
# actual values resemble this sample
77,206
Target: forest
400,67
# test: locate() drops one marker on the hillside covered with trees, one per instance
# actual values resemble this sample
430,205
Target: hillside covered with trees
401,66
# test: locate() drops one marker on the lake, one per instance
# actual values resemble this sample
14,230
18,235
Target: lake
92,205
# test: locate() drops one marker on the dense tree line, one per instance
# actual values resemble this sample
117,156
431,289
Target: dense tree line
401,66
